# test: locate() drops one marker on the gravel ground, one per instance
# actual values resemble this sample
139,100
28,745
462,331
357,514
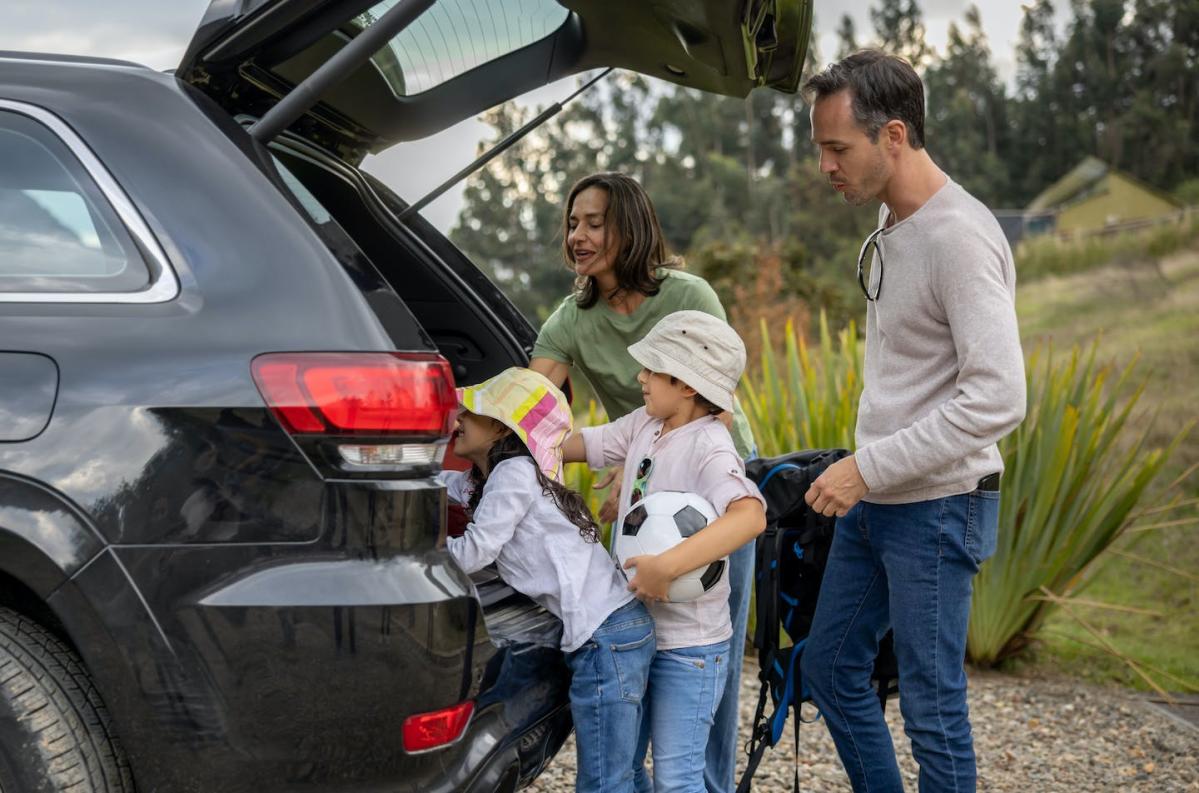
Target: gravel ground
1031,736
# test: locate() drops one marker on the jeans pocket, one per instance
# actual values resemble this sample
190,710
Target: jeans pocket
631,661
719,664
982,525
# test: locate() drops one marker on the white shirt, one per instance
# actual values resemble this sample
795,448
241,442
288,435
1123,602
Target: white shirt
536,549
698,457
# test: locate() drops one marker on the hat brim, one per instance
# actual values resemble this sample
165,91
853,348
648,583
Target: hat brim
655,361
548,459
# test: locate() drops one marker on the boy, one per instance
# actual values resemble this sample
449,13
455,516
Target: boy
692,362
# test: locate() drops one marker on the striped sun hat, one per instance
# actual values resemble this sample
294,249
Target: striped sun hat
531,406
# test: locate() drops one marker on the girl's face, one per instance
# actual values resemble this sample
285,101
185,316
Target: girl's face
663,398
474,436
593,247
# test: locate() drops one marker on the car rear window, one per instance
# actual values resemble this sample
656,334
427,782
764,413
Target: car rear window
58,233
456,36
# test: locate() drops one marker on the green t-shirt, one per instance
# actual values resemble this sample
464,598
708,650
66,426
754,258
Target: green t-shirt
596,341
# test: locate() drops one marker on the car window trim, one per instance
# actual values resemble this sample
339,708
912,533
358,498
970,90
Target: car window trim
164,283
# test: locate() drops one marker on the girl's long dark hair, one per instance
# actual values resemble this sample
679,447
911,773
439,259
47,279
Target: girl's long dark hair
632,217
568,502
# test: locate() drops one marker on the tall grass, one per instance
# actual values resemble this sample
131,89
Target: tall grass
582,479
1044,255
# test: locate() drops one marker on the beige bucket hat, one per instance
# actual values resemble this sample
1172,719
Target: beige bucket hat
697,348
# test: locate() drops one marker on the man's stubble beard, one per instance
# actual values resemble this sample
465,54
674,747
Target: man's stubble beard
873,184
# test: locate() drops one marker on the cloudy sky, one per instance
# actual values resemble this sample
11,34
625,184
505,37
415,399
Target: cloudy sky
155,33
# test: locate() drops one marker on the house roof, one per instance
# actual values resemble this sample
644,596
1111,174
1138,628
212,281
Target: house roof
1082,178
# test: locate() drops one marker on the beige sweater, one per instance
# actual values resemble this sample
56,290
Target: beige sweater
944,377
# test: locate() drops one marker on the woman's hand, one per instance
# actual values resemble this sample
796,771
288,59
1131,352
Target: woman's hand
652,579
611,506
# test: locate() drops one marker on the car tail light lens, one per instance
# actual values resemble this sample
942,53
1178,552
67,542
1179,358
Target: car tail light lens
373,393
426,731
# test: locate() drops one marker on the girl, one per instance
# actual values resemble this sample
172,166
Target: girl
544,543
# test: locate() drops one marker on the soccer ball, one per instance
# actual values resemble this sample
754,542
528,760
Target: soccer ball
658,523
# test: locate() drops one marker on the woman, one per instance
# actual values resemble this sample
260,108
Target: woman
624,284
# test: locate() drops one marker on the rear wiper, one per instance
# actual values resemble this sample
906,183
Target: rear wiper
499,148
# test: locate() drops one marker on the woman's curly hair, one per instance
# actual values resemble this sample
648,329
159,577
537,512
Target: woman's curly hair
568,502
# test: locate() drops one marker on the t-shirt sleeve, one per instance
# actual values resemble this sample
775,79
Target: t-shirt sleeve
700,296
721,480
556,339
507,497
608,444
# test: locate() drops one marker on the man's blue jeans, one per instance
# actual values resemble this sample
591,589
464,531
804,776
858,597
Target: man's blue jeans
609,677
906,567
685,687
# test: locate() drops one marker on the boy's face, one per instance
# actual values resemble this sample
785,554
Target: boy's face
663,398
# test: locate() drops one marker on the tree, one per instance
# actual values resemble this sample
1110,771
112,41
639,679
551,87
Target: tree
966,120
899,26
847,41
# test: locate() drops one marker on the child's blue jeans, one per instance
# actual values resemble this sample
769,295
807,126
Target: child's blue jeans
685,687
607,689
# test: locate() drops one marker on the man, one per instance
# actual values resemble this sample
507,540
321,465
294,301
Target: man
918,502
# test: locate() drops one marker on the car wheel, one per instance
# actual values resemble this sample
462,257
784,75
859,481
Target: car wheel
55,733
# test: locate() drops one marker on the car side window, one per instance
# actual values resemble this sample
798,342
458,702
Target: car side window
58,231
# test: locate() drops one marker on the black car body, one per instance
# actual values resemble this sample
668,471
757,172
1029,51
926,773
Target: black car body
219,561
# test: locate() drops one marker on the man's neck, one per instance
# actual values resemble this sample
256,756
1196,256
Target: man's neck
916,179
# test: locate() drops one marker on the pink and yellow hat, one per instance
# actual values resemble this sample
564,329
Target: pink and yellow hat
531,406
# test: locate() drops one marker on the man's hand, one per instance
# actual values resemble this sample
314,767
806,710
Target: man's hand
611,506
836,490
652,579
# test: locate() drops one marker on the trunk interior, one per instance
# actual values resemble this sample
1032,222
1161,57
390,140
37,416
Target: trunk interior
469,320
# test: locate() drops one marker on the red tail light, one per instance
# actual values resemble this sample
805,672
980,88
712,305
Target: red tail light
372,393
426,731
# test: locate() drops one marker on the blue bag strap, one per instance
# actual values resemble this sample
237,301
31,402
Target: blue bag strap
775,470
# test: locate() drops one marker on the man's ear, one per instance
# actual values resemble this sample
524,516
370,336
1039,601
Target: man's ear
896,133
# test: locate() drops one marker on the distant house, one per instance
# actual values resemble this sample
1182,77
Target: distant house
1019,223
1094,196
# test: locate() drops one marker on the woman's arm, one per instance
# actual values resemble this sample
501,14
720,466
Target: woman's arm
744,520
555,371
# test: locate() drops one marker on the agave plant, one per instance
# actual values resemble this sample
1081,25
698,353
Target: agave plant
1075,472
809,401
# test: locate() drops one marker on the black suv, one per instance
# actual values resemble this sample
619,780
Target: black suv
226,380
